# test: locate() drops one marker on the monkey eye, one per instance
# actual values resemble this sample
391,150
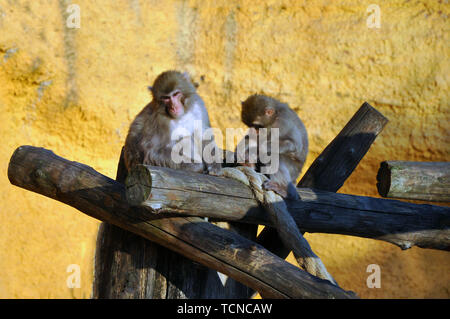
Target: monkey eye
269,112
176,93
165,99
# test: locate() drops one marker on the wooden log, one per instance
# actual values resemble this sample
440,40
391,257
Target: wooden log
428,181
339,159
130,266
41,171
164,190
335,164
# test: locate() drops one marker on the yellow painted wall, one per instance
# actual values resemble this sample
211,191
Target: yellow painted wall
75,91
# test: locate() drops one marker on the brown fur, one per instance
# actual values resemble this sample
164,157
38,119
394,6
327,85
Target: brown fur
293,138
149,137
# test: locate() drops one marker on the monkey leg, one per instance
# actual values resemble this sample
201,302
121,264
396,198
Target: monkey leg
192,167
281,183
286,191
280,189
214,169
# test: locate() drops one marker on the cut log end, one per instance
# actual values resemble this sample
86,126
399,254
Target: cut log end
138,185
15,158
429,181
384,179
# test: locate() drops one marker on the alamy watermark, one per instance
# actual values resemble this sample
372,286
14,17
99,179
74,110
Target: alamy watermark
374,18
73,21
74,279
374,279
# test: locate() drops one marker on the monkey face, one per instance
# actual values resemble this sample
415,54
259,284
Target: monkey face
258,112
170,90
173,103
266,118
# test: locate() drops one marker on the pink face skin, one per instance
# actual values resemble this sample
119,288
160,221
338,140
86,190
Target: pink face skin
174,104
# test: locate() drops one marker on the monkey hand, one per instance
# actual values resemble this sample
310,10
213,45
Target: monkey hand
214,169
191,167
275,187
286,191
251,165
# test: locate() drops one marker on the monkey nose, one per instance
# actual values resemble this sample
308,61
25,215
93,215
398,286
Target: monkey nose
173,100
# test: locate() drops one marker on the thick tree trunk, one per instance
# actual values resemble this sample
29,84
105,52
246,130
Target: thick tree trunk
415,180
98,196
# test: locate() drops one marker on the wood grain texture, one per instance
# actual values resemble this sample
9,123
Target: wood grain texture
165,190
339,159
428,181
128,266
41,171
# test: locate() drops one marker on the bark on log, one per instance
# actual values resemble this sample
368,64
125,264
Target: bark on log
428,181
129,266
98,196
163,190
335,164
339,159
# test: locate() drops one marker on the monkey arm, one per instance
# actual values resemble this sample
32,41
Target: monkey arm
166,157
246,152
287,146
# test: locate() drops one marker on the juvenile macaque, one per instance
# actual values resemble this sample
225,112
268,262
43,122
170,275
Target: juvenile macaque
263,112
169,131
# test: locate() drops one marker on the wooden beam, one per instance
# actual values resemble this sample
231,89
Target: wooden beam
339,159
428,181
335,164
163,190
41,171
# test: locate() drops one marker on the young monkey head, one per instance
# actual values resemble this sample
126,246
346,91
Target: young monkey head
259,111
170,91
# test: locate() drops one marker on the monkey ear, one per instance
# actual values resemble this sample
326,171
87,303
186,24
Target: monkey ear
188,78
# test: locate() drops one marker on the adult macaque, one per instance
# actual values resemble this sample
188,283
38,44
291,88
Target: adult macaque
173,122
264,112
176,120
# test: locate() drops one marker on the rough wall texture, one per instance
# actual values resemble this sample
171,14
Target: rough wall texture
75,91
